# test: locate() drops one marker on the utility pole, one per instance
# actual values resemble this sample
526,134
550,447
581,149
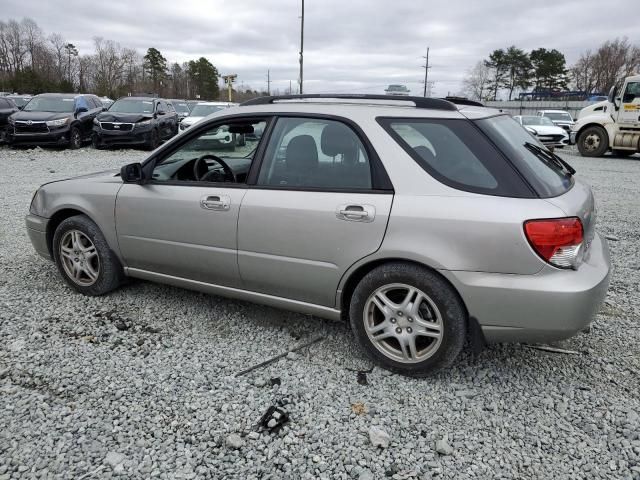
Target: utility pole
268,83
301,45
426,72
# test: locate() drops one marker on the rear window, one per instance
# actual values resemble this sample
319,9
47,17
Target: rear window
456,153
548,179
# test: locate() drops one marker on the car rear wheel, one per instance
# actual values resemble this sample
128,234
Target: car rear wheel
408,319
84,258
95,142
75,138
593,142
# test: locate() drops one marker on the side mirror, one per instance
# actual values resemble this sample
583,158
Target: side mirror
132,173
161,112
612,98
20,107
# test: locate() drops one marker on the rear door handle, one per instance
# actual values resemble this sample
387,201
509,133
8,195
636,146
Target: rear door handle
215,202
356,213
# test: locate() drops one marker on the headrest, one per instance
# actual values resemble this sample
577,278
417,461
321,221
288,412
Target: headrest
336,138
302,153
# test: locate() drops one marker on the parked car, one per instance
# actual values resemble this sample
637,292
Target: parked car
181,107
545,130
203,109
20,100
135,121
423,226
54,119
7,108
558,117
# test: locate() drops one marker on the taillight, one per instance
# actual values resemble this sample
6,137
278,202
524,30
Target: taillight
557,240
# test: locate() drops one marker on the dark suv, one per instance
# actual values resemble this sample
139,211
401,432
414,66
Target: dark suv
7,108
135,121
54,119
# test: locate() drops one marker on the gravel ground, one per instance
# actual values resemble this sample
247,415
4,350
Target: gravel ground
140,383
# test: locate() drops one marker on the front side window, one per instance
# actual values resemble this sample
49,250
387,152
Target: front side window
455,153
631,92
317,154
220,154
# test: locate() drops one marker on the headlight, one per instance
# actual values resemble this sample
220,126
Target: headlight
96,122
143,123
57,123
37,203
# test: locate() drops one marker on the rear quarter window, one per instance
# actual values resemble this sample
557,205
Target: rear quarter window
456,153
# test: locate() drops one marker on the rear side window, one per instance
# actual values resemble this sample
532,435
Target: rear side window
548,179
457,154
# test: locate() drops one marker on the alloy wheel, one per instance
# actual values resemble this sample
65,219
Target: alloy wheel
79,258
403,323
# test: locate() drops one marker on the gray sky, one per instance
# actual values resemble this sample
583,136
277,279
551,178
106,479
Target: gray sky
350,45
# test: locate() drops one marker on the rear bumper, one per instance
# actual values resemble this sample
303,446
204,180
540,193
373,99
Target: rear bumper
37,231
551,305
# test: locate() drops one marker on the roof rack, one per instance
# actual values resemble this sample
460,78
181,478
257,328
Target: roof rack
419,102
463,101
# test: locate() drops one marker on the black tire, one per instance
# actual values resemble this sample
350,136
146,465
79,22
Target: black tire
95,142
75,138
623,153
154,140
593,142
447,301
110,274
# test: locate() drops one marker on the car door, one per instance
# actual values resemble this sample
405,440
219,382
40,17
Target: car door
183,223
629,111
321,202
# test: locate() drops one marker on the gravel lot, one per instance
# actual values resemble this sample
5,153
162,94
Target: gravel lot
141,383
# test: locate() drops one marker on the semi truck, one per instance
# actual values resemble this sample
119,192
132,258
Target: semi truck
615,128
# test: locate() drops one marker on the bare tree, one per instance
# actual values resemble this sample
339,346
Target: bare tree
476,82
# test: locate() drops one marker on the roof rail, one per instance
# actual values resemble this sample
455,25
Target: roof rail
463,101
419,102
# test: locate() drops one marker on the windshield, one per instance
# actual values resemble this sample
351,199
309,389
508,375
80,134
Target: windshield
537,121
132,106
181,107
547,178
50,104
563,116
204,110
20,101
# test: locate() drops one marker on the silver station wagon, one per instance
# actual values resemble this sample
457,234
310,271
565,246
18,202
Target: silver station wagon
429,225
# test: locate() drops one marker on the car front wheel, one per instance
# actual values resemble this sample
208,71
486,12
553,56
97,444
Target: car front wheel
75,138
84,258
593,142
408,319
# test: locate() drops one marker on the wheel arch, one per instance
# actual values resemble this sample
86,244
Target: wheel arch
57,218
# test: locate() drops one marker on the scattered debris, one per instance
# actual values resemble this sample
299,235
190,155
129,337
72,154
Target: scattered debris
113,459
359,408
275,381
361,378
612,238
234,441
292,356
273,419
90,339
150,329
378,437
91,473
278,357
549,348
443,447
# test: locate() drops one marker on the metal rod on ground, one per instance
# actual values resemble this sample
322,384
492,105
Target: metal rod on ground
278,357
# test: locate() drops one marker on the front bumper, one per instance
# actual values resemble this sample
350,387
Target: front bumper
37,231
137,136
55,136
552,305
572,137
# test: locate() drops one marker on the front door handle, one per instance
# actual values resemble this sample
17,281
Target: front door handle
356,213
215,202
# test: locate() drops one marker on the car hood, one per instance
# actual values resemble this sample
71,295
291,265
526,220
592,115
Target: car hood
123,117
39,116
105,176
548,129
191,120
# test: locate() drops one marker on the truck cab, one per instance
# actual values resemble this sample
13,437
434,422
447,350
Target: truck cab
618,130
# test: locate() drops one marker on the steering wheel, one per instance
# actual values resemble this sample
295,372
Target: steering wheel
202,173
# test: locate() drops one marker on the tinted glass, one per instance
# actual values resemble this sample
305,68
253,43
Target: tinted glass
204,110
315,153
51,104
132,106
457,154
181,107
565,117
548,179
228,151
531,120
632,92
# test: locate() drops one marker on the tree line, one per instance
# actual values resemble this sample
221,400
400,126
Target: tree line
32,62
511,70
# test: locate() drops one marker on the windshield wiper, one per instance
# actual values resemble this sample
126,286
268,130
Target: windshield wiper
550,157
